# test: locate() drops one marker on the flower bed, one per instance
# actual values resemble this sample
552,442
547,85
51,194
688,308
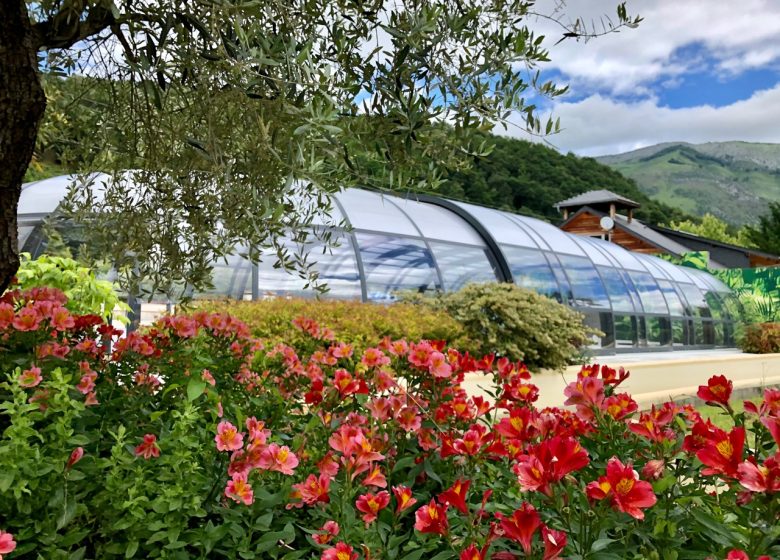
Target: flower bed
190,440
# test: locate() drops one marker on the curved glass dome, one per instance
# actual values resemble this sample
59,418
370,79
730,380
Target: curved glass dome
427,243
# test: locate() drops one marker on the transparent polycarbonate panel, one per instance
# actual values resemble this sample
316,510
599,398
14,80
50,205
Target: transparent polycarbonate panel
696,301
231,279
394,264
626,335
676,306
375,212
631,289
559,241
714,303
563,281
732,307
586,285
592,250
43,197
652,299
672,271
439,223
729,334
680,332
336,266
617,290
719,333
601,322
499,225
659,331
531,270
23,233
460,265
626,259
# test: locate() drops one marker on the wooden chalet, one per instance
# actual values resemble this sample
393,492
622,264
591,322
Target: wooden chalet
584,213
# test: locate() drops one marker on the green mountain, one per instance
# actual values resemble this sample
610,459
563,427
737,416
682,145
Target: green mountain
530,178
735,181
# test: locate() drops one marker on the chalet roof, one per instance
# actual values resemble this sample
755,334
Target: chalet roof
600,196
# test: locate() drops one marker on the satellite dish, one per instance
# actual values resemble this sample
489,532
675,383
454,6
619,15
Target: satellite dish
607,223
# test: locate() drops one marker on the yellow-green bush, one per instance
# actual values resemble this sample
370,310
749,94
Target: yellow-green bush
515,322
362,324
761,338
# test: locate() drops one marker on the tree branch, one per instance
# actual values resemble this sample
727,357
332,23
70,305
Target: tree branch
68,27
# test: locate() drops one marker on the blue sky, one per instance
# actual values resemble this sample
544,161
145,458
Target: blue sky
694,70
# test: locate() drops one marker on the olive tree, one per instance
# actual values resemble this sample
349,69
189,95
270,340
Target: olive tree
235,120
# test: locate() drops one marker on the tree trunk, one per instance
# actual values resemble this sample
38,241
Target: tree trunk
22,103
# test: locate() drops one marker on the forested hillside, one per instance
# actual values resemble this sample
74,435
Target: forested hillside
735,181
530,178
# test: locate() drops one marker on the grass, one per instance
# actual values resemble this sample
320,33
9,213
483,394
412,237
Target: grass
719,416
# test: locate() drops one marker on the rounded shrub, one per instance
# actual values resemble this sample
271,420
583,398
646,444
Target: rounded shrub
761,338
517,323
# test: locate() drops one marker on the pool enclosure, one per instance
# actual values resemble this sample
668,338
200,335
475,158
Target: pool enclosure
426,243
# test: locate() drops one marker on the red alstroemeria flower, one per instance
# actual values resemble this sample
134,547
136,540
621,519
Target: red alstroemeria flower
619,406
344,383
408,419
471,552
372,504
75,457
342,551
761,478
30,378
724,454
586,394
329,530
472,441
228,437
717,390
148,448
701,434
279,459
314,489
742,555
623,487
239,490
7,543
772,424
431,518
521,526
549,462
455,495
554,542
403,498
375,478
520,424
652,427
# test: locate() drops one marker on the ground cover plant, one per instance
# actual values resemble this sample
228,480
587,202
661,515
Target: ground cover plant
191,440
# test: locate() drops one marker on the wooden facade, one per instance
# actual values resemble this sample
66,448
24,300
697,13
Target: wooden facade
588,224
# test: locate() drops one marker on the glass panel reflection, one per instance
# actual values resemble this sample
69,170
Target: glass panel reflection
586,284
676,306
392,264
659,331
680,332
531,270
652,299
625,331
696,301
336,267
616,288
460,265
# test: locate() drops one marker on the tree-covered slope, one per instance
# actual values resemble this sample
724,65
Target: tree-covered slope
735,181
530,178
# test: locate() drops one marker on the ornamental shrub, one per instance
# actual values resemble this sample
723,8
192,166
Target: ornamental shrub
517,323
172,445
362,324
85,293
761,338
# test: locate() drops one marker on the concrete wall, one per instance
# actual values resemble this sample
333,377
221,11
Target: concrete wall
658,381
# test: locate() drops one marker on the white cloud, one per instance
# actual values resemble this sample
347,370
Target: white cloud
735,36
599,125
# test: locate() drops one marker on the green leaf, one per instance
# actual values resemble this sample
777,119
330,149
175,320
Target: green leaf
132,548
601,544
195,388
